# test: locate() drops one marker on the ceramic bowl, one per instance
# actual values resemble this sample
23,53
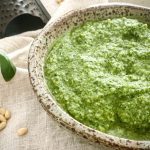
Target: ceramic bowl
39,49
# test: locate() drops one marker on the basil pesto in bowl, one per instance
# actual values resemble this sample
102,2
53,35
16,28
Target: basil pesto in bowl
90,70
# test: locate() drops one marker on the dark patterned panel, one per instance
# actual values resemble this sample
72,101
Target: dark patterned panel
10,9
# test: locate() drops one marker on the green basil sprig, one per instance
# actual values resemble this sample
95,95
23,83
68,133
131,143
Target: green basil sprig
8,69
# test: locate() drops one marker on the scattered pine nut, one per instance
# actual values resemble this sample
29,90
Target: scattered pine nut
22,131
2,125
7,114
2,119
4,114
2,111
59,1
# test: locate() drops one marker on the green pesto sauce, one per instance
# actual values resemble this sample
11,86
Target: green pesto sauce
99,73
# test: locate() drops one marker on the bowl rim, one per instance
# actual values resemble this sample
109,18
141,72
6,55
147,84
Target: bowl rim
51,106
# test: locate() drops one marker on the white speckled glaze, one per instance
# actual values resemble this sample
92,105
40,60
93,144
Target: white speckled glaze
39,49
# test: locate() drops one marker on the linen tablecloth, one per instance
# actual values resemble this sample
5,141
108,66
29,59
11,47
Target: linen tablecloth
18,96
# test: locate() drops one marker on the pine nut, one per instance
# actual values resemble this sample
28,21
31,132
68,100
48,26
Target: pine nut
59,1
2,118
7,114
22,131
2,111
2,125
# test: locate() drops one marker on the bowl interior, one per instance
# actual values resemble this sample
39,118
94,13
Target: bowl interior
38,52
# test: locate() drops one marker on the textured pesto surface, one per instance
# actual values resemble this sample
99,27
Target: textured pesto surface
100,74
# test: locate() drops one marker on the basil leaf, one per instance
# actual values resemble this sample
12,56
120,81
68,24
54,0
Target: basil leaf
8,69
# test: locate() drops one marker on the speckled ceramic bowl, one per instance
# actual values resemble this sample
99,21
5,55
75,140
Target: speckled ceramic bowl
36,61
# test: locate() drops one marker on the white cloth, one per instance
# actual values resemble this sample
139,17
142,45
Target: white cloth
18,96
